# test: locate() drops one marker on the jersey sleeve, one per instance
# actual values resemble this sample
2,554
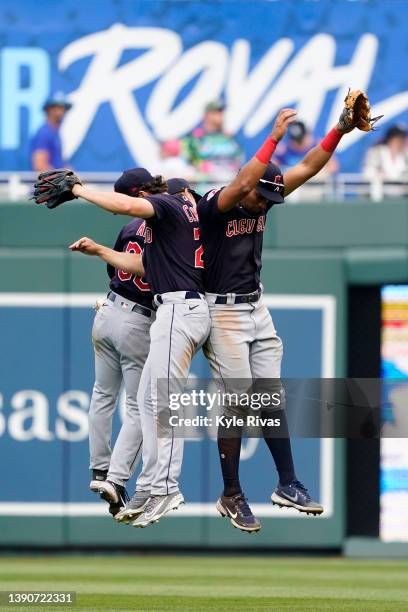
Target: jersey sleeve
160,205
208,206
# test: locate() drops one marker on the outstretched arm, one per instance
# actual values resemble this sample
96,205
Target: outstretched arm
117,203
313,161
128,262
351,116
253,171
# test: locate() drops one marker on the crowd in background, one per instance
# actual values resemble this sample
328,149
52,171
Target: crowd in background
209,155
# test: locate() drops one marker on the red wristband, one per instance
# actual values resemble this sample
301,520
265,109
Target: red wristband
331,140
265,153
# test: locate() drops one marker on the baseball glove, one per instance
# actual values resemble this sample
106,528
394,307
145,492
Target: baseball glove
55,187
357,112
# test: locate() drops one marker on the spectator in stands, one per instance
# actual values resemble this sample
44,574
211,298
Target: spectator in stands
172,163
300,141
46,150
212,151
388,160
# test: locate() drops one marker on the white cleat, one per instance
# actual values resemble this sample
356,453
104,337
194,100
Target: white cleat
135,506
158,506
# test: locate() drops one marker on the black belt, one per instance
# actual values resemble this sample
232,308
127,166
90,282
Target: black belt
136,308
190,295
248,298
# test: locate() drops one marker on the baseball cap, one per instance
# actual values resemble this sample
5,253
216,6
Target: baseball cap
271,185
130,181
176,185
57,99
215,105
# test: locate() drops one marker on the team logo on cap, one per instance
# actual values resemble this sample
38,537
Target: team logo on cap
277,182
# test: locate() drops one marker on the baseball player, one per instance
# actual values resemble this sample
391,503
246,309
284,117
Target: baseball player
172,258
121,343
131,266
243,343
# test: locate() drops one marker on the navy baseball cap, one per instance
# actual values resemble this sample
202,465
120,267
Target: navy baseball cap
176,185
271,185
132,180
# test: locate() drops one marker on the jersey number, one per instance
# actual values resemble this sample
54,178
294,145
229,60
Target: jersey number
198,255
134,247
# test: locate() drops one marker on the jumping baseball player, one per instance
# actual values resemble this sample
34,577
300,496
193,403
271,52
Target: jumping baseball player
131,266
172,258
121,343
243,344
243,341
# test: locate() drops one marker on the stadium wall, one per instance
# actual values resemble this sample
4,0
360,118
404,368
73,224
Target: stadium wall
312,254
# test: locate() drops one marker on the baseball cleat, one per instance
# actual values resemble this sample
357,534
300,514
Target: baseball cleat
98,476
158,506
116,495
295,495
236,508
134,507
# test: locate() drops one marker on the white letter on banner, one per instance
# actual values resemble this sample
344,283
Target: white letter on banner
210,59
72,407
30,419
105,81
244,89
304,83
14,97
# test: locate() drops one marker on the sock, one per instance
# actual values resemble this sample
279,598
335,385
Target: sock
99,474
229,449
280,448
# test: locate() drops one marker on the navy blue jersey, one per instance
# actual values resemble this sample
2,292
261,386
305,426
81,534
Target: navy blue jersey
131,239
232,244
173,252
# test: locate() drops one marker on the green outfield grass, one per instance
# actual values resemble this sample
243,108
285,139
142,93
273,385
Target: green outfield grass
211,583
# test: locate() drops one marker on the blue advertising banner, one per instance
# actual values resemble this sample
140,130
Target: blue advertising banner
46,379
139,73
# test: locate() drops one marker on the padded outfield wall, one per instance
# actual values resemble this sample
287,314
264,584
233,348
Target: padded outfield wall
312,253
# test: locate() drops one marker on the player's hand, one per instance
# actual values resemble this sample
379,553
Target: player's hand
86,245
285,117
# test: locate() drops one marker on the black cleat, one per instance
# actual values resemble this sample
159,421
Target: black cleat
98,476
295,495
236,508
116,496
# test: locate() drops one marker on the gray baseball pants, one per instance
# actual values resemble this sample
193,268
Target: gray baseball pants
180,329
243,343
121,343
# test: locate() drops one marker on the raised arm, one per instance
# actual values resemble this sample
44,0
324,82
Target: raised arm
313,161
117,203
128,262
253,171
356,113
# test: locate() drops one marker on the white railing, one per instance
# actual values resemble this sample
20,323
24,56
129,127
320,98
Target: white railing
17,186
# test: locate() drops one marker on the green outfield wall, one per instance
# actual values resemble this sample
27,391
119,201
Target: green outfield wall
309,249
